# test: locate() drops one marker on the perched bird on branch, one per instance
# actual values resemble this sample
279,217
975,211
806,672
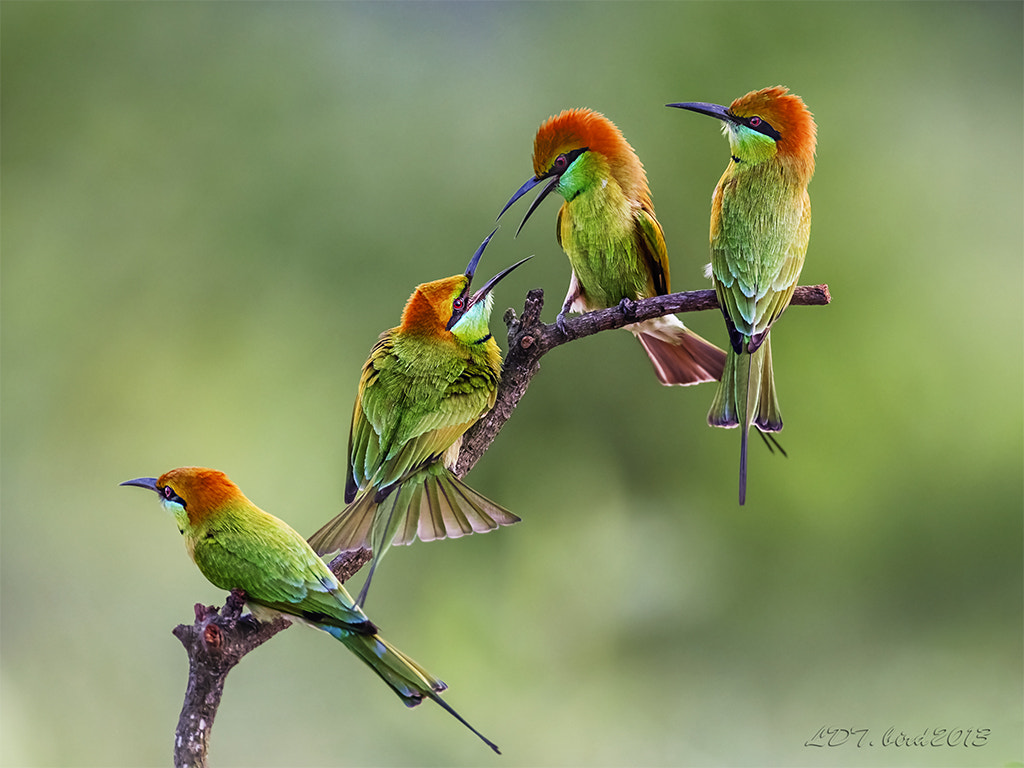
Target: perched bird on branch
425,383
608,229
238,546
760,227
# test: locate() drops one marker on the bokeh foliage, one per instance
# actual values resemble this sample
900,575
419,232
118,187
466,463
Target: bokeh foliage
211,210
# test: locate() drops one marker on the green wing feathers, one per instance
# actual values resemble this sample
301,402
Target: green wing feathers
679,356
250,550
418,394
431,505
411,408
757,256
653,251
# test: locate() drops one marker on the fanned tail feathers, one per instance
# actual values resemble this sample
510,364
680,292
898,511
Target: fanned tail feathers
405,677
433,504
349,530
747,396
679,356
440,506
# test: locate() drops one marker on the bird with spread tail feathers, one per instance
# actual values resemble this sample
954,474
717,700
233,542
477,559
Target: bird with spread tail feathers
614,242
760,227
425,383
237,545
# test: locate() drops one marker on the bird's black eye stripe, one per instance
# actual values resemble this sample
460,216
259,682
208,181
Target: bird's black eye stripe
564,160
761,125
168,493
756,123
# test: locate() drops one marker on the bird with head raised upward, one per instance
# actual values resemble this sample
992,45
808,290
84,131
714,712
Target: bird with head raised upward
237,545
760,227
614,242
425,383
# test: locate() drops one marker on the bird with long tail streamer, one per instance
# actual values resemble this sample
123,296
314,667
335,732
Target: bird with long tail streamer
760,228
238,546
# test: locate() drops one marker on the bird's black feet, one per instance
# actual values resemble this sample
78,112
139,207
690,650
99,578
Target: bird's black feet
561,325
628,307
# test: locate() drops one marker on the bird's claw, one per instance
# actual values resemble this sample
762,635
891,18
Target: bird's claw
628,307
562,327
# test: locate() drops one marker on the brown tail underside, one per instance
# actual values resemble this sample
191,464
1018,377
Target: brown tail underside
686,359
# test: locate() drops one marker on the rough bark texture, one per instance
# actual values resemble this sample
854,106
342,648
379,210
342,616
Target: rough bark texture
215,643
218,640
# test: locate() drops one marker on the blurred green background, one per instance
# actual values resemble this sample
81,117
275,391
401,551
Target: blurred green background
211,210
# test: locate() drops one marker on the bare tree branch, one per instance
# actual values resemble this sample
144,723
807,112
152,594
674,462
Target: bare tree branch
217,641
529,339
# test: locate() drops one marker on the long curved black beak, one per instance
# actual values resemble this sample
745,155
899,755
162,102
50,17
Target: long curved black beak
143,482
471,269
530,184
489,285
711,110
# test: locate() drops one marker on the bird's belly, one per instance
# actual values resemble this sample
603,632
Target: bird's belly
605,276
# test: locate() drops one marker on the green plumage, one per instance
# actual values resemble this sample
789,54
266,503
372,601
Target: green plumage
238,546
758,250
243,547
424,384
608,230
418,395
760,227
616,247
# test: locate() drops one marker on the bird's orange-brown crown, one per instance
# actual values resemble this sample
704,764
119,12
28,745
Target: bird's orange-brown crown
203,490
578,128
429,308
788,114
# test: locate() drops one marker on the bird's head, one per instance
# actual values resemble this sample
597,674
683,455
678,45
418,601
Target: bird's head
577,148
771,122
191,493
447,305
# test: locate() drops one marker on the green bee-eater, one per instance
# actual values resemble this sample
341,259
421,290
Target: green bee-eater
239,546
760,226
608,229
425,383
